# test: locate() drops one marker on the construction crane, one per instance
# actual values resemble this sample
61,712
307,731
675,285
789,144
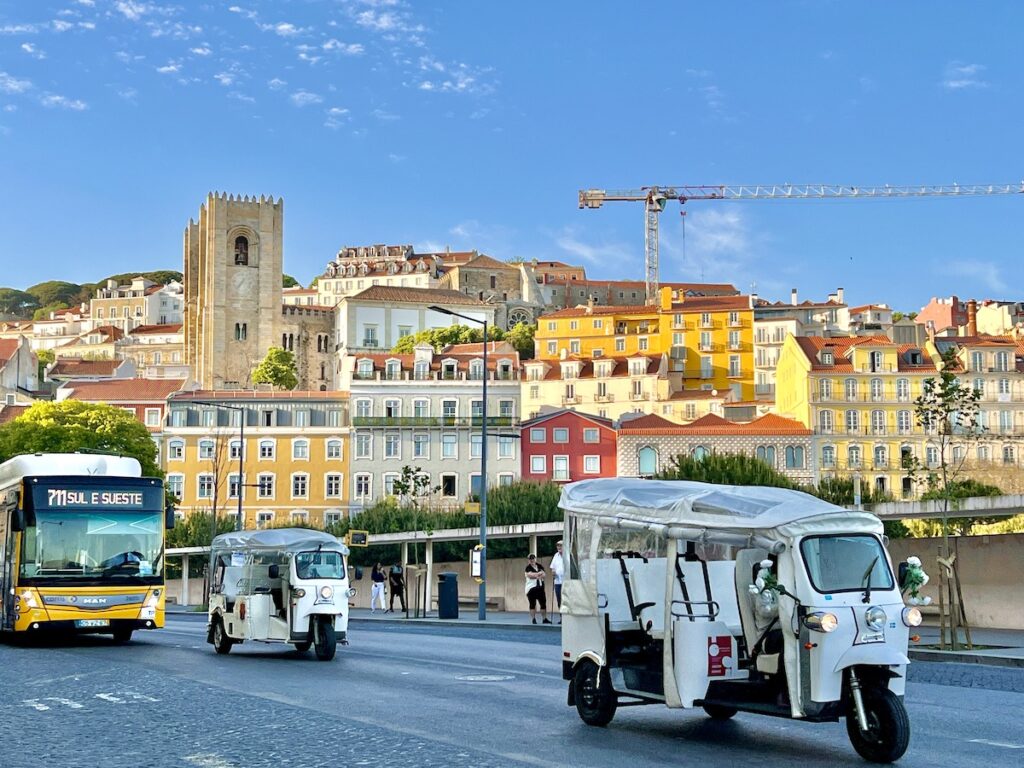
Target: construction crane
656,198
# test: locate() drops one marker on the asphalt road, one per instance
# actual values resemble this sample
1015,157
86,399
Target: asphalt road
423,696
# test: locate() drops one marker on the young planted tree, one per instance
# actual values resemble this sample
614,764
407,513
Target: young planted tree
413,488
278,369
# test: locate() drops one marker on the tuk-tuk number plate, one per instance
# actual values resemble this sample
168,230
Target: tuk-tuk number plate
92,623
719,649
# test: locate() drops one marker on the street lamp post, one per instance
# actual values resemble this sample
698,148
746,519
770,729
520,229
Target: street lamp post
482,607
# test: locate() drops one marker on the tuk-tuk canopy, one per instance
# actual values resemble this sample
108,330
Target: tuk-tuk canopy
283,539
776,513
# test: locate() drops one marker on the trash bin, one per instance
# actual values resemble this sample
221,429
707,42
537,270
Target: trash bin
448,595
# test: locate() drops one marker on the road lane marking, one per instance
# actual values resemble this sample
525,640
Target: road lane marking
116,699
485,678
38,705
990,743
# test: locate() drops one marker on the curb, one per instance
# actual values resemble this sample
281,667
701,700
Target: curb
457,623
966,657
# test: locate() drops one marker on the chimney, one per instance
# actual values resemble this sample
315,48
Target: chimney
930,328
590,305
972,317
840,295
832,298
792,297
753,300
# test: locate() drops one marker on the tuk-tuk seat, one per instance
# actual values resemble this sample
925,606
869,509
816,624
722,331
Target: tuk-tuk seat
647,583
611,598
747,565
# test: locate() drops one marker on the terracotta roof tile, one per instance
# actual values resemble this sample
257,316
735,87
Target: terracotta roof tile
710,425
603,309
123,390
141,330
417,296
213,395
74,366
8,348
711,303
599,420
11,412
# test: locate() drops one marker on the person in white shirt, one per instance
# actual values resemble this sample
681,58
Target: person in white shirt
558,573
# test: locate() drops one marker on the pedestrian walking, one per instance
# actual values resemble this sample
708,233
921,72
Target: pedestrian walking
557,574
396,581
378,578
535,590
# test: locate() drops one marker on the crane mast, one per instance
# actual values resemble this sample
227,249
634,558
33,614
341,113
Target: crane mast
655,198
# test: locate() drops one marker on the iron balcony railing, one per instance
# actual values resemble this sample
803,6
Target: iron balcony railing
433,421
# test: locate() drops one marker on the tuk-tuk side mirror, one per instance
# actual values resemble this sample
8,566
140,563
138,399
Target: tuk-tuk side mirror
18,520
169,517
902,571
274,571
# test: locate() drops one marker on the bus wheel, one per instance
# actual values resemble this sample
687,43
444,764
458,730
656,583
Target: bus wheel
888,733
718,712
595,699
325,642
123,634
221,642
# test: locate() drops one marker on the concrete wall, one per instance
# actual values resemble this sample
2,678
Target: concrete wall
991,575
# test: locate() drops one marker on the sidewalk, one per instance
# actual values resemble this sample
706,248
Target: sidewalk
1005,648
467,618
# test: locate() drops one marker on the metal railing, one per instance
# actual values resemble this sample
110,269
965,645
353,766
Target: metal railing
433,421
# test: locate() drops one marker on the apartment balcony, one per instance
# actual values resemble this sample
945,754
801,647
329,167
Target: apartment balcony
737,323
706,347
884,398
604,398
433,421
639,396
764,389
434,376
370,344
571,400
682,325
867,432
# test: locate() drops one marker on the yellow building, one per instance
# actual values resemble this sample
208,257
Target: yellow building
295,456
707,344
857,394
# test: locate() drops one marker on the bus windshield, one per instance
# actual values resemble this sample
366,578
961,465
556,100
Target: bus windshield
66,546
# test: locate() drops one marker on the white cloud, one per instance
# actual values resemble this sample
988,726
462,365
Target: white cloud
224,78
11,84
609,253
61,26
384,115
201,50
86,3
960,76
10,107
337,111
346,49
87,25
169,68
284,29
239,96
53,100
336,117
305,98
131,10
380,22
985,273
396,158
276,84
18,29
128,94
32,51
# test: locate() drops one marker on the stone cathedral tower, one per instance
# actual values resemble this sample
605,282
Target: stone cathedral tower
233,269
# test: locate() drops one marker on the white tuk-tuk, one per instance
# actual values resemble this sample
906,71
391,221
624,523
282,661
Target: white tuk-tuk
733,599
283,585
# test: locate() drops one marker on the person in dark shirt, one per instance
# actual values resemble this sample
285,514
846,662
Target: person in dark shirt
535,590
396,580
378,578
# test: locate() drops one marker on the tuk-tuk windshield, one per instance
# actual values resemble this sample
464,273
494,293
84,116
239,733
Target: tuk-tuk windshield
846,563
320,565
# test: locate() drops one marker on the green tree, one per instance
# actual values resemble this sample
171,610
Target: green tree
439,338
726,469
17,303
74,425
287,281
413,488
964,489
43,313
195,530
277,368
45,357
161,276
520,336
55,292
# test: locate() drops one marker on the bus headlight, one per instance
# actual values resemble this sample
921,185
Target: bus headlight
875,618
153,600
912,616
326,592
29,599
821,621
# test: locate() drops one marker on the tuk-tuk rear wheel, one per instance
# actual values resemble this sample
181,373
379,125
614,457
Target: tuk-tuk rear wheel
303,647
595,699
719,712
221,642
888,733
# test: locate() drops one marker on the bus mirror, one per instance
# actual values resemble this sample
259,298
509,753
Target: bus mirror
273,571
18,520
169,517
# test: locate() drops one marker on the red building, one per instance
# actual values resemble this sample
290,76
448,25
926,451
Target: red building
566,446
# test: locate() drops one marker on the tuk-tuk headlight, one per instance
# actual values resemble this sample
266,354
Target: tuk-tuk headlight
912,616
875,618
326,592
299,592
821,621
351,592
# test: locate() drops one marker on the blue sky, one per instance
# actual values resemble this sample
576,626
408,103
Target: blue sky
474,124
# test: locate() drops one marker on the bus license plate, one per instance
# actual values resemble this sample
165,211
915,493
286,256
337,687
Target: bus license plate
81,623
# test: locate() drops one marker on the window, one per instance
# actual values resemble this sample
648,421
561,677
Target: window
979,387
333,486
362,487
591,435
700,452
647,459
977,361
404,330
476,446
176,450
877,390
209,418
828,456
392,409
592,465
766,453
931,456
449,446
734,366
560,435
421,409
369,335
300,486
176,486
620,345
538,435
205,486
825,389
1002,362
334,449
301,418
982,453
241,331
152,417
878,422
642,343
364,369
560,468
264,519
506,409
794,457
506,449
363,409
1004,387
903,422
825,422
506,478
300,449
574,346
206,449
265,485
392,446
449,408
421,371
476,409
851,389
364,445
852,421
853,456
235,449
449,485
538,465
552,348
389,483
1008,456
241,251
421,446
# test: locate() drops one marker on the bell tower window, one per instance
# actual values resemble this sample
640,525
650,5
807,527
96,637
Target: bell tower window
241,251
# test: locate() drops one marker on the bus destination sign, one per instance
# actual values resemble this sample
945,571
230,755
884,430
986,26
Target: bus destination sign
128,497
63,497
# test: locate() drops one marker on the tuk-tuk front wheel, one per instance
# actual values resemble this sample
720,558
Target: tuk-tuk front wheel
325,642
888,733
719,712
595,699
221,642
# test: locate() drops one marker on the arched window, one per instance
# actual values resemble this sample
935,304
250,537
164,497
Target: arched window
206,449
766,453
241,251
1008,454
851,389
828,456
876,390
648,458
881,457
794,457
700,453
853,457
